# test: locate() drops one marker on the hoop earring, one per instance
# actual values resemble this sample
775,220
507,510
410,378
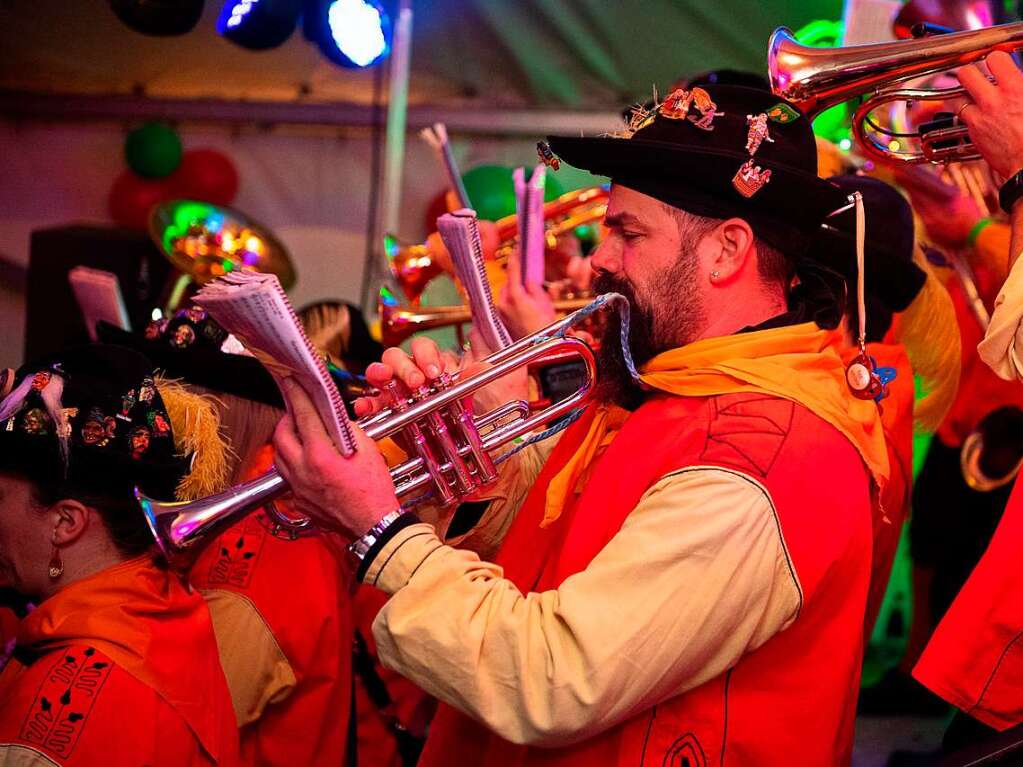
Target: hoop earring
56,564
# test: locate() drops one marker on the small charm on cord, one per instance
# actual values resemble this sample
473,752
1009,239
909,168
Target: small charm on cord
862,377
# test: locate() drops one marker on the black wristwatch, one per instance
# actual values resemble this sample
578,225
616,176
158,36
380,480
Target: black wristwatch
1011,192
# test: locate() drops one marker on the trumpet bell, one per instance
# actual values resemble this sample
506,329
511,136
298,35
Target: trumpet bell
815,79
182,529
412,267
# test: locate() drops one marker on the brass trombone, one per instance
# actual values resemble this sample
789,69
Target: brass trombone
413,266
398,323
454,449
815,79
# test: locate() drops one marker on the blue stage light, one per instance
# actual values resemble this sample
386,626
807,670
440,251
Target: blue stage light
352,33
259,24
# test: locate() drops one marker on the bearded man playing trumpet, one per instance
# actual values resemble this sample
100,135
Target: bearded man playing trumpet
687,574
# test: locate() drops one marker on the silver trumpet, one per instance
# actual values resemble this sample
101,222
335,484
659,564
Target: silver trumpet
817,78
453,449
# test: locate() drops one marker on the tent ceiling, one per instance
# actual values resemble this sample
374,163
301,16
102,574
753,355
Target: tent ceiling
583,54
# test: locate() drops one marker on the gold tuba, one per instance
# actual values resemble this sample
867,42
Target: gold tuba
815,79
455,449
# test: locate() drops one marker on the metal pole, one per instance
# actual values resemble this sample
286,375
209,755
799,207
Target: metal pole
394,154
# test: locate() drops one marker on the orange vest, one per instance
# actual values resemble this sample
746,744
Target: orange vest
974,659
791,699
120,669
300,588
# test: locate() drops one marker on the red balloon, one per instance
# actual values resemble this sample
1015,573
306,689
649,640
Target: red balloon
438,207
207,175
132,197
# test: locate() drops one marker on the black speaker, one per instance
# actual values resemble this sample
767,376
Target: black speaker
52,318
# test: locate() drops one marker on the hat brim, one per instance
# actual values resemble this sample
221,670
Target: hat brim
212,369
700,179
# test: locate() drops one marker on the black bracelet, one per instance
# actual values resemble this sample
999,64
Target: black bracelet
405,520
1011,192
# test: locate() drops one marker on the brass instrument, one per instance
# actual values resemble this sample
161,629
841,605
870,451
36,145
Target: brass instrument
205,241
413,266
815,79
454,448
398,323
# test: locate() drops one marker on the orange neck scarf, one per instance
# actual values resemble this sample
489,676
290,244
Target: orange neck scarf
143,618
801,363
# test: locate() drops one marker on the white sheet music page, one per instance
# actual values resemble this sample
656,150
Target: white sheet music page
254,308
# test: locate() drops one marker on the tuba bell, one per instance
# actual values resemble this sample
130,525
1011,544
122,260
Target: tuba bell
815,79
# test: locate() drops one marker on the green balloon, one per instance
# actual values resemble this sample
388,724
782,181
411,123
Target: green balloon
153,150
491,191
553,188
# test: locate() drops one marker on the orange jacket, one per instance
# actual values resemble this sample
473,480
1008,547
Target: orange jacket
300,590
792,698
974,659
120,668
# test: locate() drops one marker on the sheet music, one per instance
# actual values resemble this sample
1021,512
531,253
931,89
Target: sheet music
462,238
254,308
99,297
532,235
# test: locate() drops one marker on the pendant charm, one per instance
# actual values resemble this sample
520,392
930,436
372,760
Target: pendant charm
864,383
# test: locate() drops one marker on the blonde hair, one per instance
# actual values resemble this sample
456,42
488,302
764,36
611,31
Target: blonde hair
930,332
246,424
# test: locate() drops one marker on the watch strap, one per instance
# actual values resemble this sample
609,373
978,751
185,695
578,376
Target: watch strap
1011,192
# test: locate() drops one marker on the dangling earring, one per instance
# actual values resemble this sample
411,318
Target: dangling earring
56,563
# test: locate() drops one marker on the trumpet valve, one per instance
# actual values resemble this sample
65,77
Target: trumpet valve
422,447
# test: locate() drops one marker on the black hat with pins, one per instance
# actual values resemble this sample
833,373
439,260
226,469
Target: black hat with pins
719,151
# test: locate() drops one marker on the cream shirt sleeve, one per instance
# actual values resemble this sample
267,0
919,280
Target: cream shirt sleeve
505,497
1002,347
697,576
16,755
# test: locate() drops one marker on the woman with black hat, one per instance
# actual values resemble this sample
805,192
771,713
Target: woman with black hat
117,664
281,609
688,576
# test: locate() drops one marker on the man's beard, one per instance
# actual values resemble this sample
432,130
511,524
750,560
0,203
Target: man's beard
668,314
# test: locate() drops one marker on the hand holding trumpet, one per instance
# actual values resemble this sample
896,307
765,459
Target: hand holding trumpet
995,114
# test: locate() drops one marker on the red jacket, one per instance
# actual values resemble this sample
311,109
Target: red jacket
301,590
119,669
974,660
793,699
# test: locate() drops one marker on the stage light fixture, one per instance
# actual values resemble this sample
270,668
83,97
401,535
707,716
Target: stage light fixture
159,18
258,24
352,33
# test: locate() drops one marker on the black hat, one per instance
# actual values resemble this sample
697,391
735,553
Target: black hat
704,158
91,420
889,271
188,346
